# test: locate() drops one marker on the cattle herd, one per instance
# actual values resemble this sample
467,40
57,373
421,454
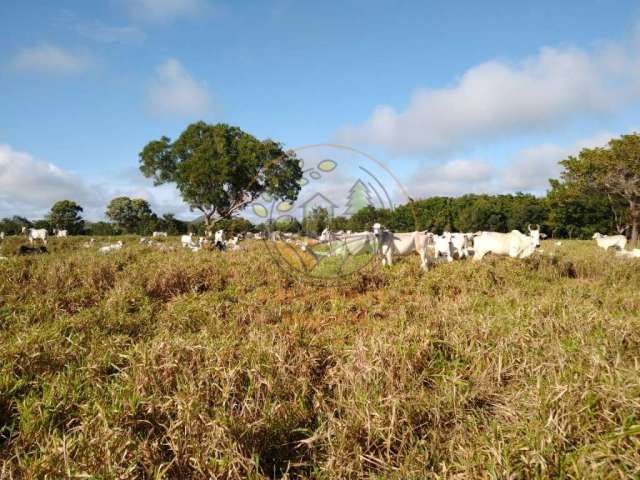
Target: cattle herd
381,241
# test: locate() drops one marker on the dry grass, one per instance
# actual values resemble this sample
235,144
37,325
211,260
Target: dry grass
148,364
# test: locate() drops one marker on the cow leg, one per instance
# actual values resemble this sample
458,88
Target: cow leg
389,257
424,261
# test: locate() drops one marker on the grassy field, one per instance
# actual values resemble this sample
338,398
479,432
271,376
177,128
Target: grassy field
150,364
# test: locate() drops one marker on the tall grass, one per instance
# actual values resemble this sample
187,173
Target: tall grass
150,364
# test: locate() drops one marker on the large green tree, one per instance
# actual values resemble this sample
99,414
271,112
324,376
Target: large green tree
219,169
65,215
613,171
130,214
576,215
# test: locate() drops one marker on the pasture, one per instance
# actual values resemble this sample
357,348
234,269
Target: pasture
141,363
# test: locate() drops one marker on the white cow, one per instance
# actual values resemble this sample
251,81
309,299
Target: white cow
187,240
159,234
327,236
443,246
112,247
89,244
1,235
219,240
355,243
61,233
219,236
389,244
635,253
515,243
234,243
607,241
36,234
462,243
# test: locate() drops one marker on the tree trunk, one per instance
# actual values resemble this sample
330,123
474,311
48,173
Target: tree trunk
635,220
207,223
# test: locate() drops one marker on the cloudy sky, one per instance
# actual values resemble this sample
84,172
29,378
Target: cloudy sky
453,96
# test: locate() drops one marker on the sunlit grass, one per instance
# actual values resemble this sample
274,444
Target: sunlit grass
145,363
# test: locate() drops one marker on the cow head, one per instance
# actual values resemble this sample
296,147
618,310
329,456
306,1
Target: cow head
534,233
24,229
377,228
597,235
325,236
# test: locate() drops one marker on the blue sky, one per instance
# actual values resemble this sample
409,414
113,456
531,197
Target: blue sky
454,96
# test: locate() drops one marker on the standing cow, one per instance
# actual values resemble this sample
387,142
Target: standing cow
36,234
401,244
607,241
514,244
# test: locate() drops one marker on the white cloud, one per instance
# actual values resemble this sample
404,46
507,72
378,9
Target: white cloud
110,34
528,171
496,98
29,186
174,92
531,168
163,10
47,58
453,178
465,171
163,199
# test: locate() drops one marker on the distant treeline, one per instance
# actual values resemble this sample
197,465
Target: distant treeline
560,214
166,223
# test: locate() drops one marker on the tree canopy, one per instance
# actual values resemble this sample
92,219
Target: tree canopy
130,214
219,169
613,171
65,215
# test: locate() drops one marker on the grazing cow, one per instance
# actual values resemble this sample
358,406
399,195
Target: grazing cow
61,233
112,247
443,246
462,243
89,244
234,243
607,241
219,240
159,234
327,236
36,234
275,236
187,240
389,244
356,243
635,253
515,244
